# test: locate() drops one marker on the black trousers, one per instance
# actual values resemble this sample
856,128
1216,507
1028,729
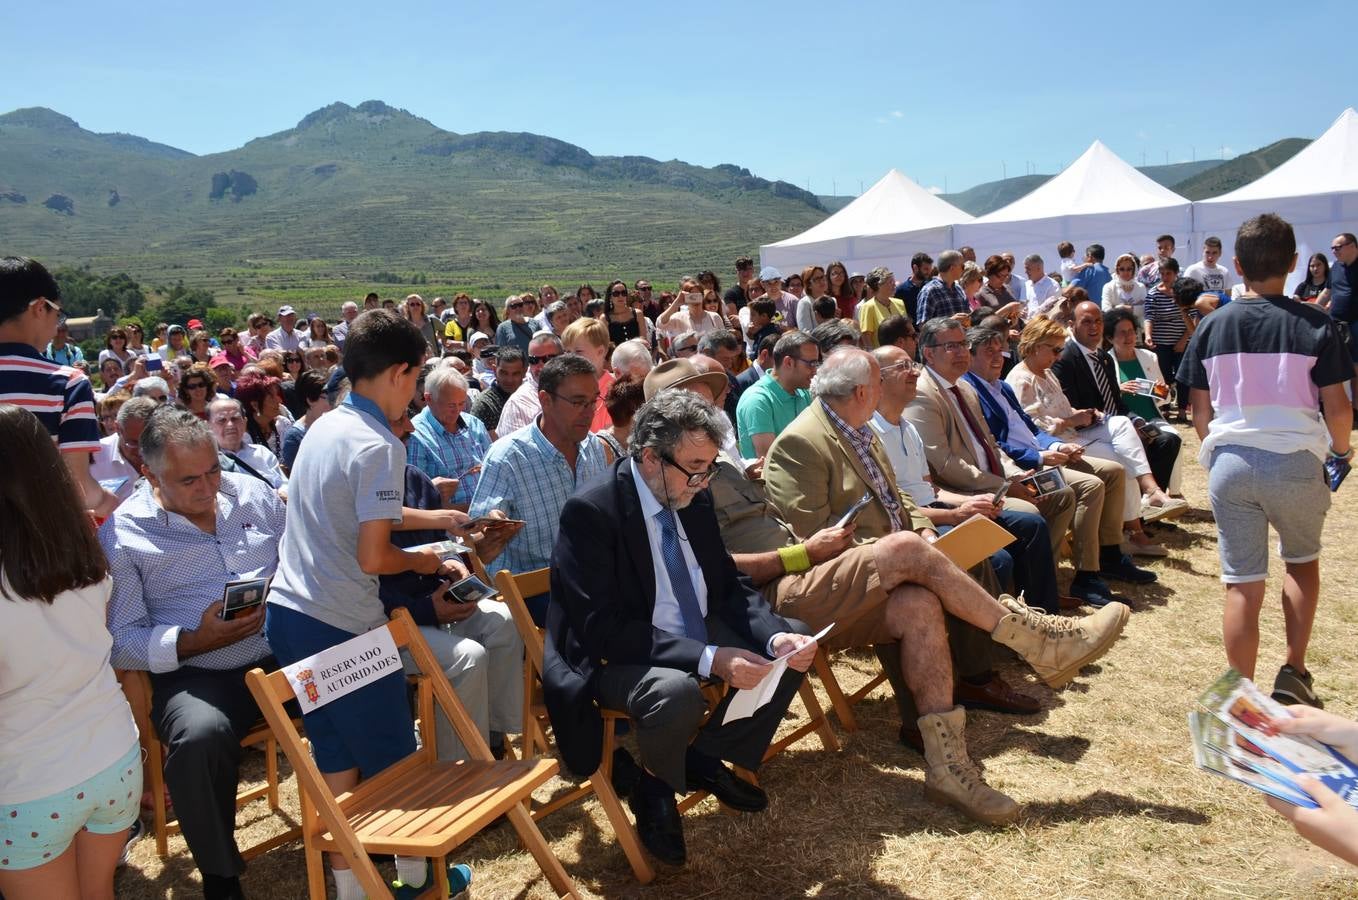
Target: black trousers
201,716
1162,450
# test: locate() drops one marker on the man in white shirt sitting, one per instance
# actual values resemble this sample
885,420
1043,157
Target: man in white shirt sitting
227,421
119,456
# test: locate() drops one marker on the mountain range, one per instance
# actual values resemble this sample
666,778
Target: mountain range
369,194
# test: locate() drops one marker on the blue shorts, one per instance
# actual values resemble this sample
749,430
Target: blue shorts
1250,490
368,729
33,834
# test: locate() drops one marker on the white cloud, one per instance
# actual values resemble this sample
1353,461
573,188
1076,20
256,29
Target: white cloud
1228,151
897,114
881,120
934,189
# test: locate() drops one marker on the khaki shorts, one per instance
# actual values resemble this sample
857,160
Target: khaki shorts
845,590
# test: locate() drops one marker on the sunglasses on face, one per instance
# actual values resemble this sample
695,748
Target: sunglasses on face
618,293
540,360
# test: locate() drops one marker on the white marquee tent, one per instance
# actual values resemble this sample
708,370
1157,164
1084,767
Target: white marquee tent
1099,198
885,226
1316,190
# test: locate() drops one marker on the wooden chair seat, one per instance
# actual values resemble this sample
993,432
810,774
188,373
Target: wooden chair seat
434,808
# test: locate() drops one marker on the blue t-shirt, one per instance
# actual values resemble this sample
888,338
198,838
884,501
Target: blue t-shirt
1093,280
353,471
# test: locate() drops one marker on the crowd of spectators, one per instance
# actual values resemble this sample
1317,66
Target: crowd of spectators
743,423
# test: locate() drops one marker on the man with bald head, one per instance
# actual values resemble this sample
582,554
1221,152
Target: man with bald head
879,579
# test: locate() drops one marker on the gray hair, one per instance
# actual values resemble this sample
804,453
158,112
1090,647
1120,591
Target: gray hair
662,422
147,385
632,356
929,332
877,276
844,370
137,409
171,425
553,308
947,259
684,337
444,375
1032,258
349,305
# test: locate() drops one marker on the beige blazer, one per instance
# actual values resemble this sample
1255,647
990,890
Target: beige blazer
947,439
812,476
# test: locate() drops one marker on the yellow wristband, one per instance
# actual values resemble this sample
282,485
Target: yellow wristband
795,558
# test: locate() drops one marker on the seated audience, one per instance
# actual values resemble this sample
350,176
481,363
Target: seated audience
510,370
880,305
624,398
311,391
70,765
165,616
589,338
261,400
1134,363
197,388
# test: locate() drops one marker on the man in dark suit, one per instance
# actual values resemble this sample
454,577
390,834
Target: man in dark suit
646,605
1090,381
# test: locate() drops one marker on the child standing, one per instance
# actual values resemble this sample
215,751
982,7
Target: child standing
1259,369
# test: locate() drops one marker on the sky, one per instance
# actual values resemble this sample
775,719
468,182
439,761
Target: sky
826,96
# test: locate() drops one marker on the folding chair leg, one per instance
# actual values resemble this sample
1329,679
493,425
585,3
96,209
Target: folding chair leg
828,738
315,863
155,764
537,845
271,770
623,829
843,709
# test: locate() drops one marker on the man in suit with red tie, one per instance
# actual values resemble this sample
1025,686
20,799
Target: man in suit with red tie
964,457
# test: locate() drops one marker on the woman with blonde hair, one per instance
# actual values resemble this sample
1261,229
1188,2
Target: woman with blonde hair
430,328
589,338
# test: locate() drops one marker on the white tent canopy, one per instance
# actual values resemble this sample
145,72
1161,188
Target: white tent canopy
1316,190
1099,198
885,226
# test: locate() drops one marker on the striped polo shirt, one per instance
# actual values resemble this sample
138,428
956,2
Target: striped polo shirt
60,396
1264,360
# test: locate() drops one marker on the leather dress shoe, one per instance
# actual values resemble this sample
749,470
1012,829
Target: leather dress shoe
659,826
729,788
1123,569
995,695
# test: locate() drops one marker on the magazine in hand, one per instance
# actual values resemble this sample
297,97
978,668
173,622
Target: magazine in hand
1238,705
472,590
445,549
1147,388
1045,481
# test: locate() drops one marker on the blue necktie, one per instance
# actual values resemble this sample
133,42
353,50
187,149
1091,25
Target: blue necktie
680,582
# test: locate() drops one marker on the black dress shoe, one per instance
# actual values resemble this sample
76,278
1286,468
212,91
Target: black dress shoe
995,695
729,788
1123,569
626,772
658,824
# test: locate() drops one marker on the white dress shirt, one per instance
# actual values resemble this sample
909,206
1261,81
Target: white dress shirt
109,464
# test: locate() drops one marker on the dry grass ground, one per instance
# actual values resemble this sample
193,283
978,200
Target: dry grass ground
1114,805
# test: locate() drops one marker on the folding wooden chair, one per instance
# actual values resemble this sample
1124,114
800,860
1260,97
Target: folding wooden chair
136,686
417,806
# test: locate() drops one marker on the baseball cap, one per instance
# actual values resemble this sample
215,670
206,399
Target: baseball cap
286,311
220,359
769,273
195,324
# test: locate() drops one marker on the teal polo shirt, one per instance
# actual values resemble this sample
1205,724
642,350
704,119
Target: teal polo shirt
766,408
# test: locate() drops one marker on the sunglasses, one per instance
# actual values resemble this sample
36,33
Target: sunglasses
539,360
617,293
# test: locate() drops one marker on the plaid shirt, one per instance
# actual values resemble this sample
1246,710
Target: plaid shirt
860,439
529,479
938,299
440,453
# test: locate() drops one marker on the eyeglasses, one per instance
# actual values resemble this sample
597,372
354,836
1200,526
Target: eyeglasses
54,307
1335,248
951,346
809,363
617,293
228,419
906,367
679,350
581,403
694,478
517,305
539,360
643,288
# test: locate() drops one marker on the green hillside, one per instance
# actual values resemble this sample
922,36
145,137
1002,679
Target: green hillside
316,210
992,195
1240,171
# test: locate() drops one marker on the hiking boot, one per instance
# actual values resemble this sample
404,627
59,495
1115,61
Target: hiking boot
1292,686
952,778
1058,646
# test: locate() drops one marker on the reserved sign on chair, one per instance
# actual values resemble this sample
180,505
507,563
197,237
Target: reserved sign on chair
343,668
